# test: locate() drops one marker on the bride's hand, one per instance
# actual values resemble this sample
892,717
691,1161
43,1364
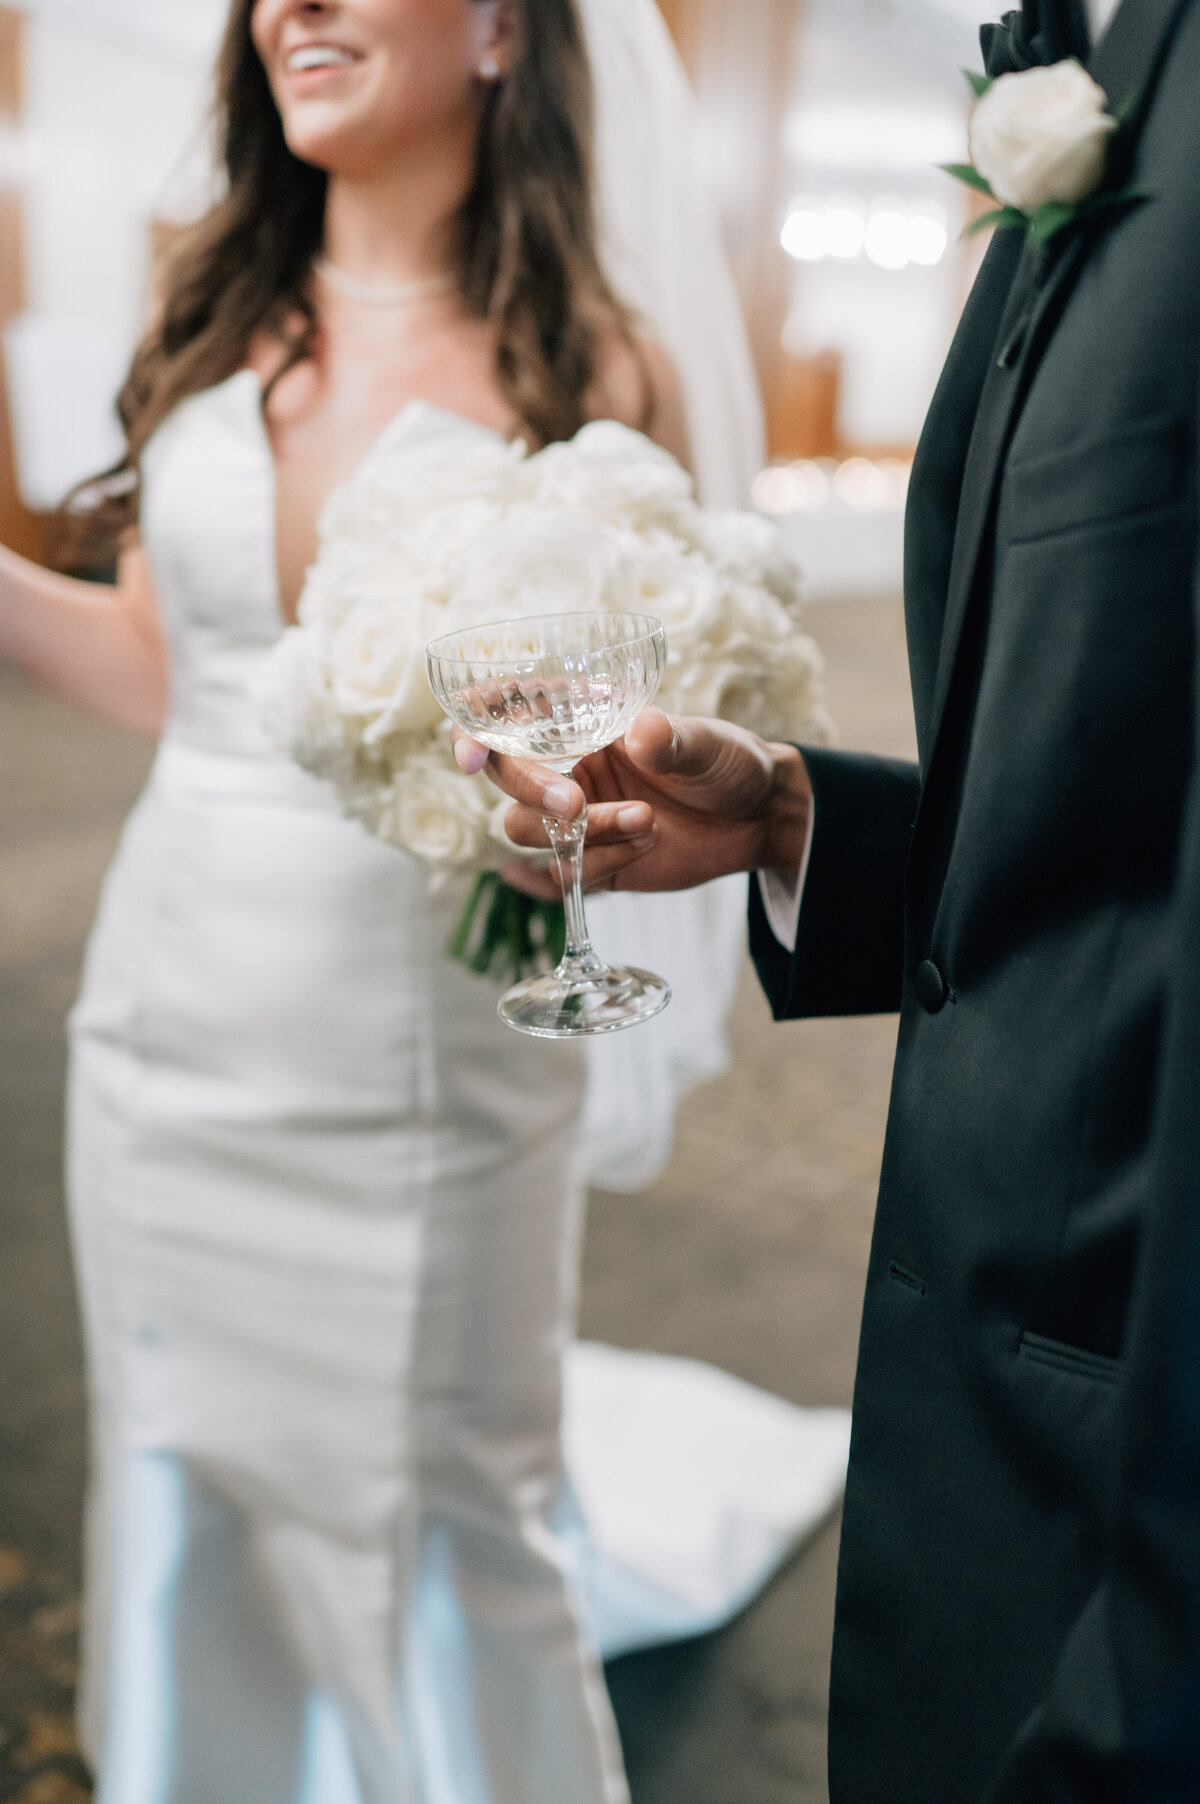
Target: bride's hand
674,803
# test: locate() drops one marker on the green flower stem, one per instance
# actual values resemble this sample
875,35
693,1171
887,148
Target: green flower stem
504,934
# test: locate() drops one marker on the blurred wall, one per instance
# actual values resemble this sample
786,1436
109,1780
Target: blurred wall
114,104
831,116
741,59
19,528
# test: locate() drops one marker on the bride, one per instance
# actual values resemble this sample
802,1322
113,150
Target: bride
326,1208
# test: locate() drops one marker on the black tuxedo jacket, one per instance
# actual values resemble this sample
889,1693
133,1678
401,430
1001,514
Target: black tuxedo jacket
1019,1591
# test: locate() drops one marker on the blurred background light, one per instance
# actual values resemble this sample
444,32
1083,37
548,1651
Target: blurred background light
803,234
845,228
886,241
891,235
810,485
928,239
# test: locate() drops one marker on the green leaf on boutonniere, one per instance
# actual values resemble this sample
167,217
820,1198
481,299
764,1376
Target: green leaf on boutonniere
1002,218
1049,220
979,84
1132,196
1053,218
967,172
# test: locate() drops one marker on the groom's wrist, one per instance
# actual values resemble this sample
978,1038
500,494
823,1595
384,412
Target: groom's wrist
788,814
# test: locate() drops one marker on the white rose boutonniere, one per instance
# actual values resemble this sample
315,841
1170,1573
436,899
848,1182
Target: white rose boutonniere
1040,145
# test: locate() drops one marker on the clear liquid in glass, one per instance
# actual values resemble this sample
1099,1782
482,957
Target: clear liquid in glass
556,689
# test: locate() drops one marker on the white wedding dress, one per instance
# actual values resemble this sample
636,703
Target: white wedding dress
327,1211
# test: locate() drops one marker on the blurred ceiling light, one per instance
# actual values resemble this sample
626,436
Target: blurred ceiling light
896,471
803,235
799,488
886,241
840,228
857,137
928,239
845,229
863,486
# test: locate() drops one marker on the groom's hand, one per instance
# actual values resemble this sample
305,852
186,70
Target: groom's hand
673,804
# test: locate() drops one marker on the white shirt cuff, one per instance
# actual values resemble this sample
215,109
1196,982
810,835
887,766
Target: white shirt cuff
782,895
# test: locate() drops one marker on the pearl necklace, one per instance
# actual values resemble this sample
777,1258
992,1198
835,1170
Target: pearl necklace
405,295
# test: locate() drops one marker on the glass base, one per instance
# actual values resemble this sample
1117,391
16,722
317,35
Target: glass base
563,1008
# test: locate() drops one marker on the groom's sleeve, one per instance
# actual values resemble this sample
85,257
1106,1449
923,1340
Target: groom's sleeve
849,953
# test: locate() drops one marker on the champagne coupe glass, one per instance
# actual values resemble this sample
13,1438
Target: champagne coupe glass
555,688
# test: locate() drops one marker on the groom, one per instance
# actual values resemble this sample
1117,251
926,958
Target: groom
1019,1594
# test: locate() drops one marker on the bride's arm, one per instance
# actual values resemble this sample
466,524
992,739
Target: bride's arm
96,645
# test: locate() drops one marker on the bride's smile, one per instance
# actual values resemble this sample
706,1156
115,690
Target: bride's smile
359,82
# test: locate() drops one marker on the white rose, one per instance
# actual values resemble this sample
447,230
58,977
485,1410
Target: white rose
752,549
1042,135
297,705
788,704
537,563
444,538
679,588
773,688
610,472
433,811
377,665
489,470
701,686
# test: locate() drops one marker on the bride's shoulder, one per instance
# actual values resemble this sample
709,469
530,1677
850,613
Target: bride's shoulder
637,383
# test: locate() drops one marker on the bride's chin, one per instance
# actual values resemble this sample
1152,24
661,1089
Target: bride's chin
335,150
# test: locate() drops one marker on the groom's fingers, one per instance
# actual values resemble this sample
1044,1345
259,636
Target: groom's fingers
609,824
469,754
534,881
674,748
531,783
545,791
599,869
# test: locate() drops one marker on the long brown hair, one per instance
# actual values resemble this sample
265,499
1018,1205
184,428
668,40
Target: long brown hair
527,256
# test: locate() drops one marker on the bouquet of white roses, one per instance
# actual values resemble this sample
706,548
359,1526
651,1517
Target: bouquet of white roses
605,523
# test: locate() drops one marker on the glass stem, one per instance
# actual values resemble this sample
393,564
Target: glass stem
567,837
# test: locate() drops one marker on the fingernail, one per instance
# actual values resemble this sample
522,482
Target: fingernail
631,819
471,757
645,843
557,797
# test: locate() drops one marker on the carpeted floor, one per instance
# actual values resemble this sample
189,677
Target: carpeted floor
750,1253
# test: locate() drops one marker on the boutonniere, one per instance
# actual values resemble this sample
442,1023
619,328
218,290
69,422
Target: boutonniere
1041,142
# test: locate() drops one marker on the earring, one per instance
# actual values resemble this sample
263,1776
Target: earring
489,68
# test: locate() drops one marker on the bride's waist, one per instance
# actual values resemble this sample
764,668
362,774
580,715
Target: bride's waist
199,773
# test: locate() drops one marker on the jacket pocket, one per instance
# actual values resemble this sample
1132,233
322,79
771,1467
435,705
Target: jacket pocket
1098,481
1063,1358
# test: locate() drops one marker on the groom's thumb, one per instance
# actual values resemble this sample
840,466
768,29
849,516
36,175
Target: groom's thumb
671,748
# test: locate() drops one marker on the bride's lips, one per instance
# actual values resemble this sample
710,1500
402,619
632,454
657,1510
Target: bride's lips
308,67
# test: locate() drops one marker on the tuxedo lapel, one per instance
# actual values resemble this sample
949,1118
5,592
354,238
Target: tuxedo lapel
1018,346
1124,65
1127,58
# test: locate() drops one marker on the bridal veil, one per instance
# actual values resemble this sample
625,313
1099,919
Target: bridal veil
663,251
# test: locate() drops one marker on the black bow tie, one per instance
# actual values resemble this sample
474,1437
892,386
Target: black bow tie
1043,32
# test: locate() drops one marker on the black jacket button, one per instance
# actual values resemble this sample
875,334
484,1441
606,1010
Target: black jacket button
931,987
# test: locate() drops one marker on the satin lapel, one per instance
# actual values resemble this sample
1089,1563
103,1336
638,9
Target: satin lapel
1124,65
1020,342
